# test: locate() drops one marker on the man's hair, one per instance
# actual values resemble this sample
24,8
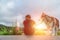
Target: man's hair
28,16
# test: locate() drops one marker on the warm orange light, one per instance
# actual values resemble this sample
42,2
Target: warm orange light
41,29
41,26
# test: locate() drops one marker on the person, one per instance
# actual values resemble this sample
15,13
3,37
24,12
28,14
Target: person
28,25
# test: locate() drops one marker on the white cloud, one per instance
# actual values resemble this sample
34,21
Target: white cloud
5,8
10,4
10,9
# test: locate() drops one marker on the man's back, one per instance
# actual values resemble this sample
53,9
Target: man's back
28,27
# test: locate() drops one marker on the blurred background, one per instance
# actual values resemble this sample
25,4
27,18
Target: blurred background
13,11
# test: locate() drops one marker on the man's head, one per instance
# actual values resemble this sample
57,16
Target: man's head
28,17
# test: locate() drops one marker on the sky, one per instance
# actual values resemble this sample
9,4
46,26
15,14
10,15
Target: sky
10,10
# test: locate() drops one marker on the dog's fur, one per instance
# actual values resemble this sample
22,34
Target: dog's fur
50,21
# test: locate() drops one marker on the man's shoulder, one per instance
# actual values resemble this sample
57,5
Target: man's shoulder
32,20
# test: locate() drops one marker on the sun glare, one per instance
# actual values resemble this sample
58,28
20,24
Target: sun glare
40,28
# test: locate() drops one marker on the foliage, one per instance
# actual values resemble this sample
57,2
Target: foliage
58,33
5,30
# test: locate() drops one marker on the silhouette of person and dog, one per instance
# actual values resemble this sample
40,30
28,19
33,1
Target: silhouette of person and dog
29,23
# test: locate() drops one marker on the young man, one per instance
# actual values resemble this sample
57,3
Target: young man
28,25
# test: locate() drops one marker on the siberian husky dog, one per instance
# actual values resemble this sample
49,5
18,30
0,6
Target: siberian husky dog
51,22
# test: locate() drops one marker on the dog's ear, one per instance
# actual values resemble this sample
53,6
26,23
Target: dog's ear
43,14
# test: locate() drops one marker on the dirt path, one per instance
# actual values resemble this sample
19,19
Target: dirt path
22,37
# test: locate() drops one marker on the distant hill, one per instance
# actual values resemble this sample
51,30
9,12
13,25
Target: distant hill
1,25
8,27
4,26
